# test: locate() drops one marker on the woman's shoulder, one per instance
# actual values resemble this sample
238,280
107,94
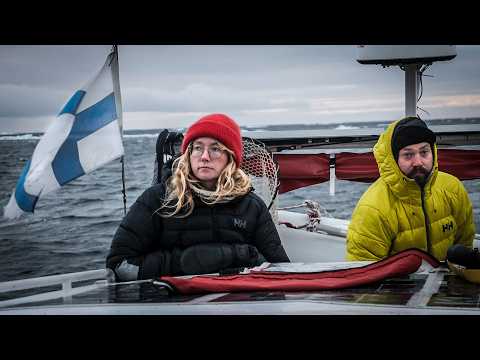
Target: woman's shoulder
155,189
255,199
153,195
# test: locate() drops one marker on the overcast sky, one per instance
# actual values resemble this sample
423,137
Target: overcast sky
171,86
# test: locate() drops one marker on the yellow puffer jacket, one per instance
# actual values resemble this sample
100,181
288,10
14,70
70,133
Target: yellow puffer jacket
389,216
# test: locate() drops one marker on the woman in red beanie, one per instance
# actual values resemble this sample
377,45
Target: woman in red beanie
204,218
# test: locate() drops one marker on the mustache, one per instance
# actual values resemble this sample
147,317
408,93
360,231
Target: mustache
419,174
416,171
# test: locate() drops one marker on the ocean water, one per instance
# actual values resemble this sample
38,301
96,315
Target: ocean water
72,228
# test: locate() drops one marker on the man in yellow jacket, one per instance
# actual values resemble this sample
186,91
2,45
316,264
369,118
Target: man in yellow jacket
411,204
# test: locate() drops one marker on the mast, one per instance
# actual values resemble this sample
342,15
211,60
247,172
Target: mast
411,88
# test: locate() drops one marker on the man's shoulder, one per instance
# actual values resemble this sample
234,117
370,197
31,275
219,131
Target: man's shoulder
378,196
376,191
444,177
448,182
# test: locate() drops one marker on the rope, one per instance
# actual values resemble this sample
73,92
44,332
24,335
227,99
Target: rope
313,214
123,189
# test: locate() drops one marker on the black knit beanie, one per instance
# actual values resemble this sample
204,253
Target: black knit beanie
408,131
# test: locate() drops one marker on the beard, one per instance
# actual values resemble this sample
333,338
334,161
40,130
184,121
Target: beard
419,174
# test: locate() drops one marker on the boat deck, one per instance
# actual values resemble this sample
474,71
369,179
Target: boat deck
406,295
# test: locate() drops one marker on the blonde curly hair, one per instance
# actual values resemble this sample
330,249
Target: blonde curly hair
182,186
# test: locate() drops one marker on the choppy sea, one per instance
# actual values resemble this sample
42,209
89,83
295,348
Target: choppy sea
72,228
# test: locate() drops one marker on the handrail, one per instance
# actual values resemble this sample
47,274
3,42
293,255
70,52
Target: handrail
62,279
49,295
65,280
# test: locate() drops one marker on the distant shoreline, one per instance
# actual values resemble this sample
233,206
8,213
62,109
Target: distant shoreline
279,127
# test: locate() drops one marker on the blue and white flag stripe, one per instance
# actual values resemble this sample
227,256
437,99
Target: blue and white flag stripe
25,201
85,136
66,164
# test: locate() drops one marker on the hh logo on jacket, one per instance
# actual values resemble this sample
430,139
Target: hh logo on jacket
447,226
239,223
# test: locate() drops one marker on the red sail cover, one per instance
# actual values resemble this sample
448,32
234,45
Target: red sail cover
356,167
464,164
299,170
400,264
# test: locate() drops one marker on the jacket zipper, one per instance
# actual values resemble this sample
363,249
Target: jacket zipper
427,221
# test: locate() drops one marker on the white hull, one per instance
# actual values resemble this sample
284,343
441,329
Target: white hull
305,246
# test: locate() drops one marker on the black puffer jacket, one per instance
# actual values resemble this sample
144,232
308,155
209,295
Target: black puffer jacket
154,244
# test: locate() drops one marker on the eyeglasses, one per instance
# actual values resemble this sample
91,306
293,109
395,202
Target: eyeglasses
214,152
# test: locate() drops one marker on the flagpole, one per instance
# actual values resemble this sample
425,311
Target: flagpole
122,159
123,189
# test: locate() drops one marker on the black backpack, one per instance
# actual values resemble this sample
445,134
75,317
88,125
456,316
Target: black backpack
167,150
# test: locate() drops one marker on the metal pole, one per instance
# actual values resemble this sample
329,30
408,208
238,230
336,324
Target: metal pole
332,174
411,89
118,104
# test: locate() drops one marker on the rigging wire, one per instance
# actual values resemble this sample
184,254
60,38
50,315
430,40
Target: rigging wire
420,74
420,78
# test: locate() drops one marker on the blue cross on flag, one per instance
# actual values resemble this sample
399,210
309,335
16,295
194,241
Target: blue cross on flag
86,135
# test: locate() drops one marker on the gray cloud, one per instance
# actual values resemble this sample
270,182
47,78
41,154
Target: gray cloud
256,83
22,100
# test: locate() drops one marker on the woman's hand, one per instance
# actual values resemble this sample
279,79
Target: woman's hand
214,257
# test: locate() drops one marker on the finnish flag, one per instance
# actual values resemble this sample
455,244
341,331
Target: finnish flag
86,135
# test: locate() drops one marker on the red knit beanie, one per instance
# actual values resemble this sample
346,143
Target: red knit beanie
220,127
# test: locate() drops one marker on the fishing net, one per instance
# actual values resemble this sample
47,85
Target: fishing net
259,165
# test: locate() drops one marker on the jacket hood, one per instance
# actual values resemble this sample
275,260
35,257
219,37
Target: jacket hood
402,186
